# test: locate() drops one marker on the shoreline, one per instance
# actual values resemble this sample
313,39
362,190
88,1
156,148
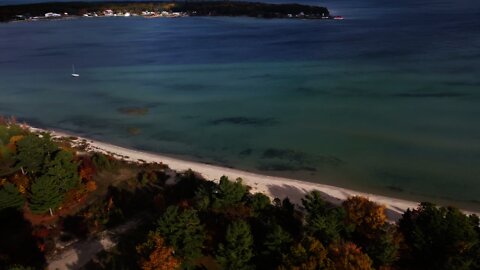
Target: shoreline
155,9
272,186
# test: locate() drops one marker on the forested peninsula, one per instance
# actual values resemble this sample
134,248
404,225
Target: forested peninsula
160,9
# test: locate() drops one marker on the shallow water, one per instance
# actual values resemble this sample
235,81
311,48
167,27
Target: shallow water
385,101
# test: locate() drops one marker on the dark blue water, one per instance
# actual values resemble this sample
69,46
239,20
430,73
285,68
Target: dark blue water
385,101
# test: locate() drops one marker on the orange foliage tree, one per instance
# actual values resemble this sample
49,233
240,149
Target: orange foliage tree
87,169
367,216
155,255
12,145
347,256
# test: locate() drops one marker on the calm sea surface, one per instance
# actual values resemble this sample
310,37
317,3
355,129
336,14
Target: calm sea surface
386,101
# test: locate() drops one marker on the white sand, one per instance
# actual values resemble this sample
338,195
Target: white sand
274,187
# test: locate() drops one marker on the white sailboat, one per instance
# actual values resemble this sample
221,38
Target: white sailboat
73,72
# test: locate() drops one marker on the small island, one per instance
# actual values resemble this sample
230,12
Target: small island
154,9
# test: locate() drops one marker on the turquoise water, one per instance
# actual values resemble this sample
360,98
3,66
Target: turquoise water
385,101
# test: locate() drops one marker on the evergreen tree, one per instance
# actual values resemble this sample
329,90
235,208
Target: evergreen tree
184,232
45,194
324,221
60,175
259,202
314,204
64,170
10,197
439,238
276,243
237,251
33,151
384,248
228,193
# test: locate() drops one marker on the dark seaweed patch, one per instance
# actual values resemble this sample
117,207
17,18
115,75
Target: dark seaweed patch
188,87
282,167
431,95
139,111
395,188
330,160
285,154
276,167
393,176
246,152
461,83
244,121
83,123
298,157
308,91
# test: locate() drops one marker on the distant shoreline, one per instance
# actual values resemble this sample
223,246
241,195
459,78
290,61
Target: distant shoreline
272,186
156,9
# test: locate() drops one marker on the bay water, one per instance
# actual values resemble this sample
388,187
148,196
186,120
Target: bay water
386,101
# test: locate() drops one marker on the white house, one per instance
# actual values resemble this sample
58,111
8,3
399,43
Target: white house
51,14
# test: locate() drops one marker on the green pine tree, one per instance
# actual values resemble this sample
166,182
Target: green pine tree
60,175
276,242
236,253
228,193
45,194
184,232
10,197
33,151
64,170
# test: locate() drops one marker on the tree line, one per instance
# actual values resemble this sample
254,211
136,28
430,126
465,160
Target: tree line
199,224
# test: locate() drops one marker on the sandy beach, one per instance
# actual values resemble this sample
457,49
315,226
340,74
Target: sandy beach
274,187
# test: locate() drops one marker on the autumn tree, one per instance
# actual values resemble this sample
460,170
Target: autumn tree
87,169
309,254
184,232
347,256
236,252
155,255
10,197
439,238
365,216
370,230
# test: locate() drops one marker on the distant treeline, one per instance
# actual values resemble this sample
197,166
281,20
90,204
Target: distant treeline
198,8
